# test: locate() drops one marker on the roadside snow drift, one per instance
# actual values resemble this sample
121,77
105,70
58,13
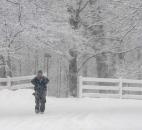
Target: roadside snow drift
17,113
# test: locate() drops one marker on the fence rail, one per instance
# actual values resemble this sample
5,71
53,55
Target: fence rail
107,87
16,82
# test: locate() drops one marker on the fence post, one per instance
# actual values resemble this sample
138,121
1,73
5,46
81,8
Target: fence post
120,87
8,82
80,87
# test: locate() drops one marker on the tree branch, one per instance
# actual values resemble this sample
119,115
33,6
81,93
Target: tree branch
79,3
50,46
19,9
107,51
16,3
84,6
131,29
15,35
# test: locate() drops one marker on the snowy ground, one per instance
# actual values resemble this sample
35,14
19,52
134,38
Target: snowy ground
17,113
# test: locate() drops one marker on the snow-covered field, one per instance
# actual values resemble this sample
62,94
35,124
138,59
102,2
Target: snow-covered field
17,113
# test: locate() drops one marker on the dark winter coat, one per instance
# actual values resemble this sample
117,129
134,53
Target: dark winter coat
40,85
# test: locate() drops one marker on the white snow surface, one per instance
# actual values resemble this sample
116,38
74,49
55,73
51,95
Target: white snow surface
17,113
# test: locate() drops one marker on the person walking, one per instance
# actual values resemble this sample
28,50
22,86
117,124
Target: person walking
40,86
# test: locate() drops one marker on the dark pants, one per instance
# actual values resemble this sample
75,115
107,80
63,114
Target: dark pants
40,100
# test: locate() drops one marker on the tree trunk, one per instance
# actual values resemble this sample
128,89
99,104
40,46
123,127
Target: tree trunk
9,72
36,62
102,68
73,74
2,68
106,68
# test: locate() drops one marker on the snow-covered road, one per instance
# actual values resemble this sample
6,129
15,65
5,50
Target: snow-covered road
17,113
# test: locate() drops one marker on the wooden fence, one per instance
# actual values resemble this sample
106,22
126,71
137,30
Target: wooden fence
16,82
107,87
88,86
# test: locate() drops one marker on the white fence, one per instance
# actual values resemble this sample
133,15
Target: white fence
88,86
107,87
16,82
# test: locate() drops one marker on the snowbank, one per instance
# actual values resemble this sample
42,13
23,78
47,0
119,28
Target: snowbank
17,113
